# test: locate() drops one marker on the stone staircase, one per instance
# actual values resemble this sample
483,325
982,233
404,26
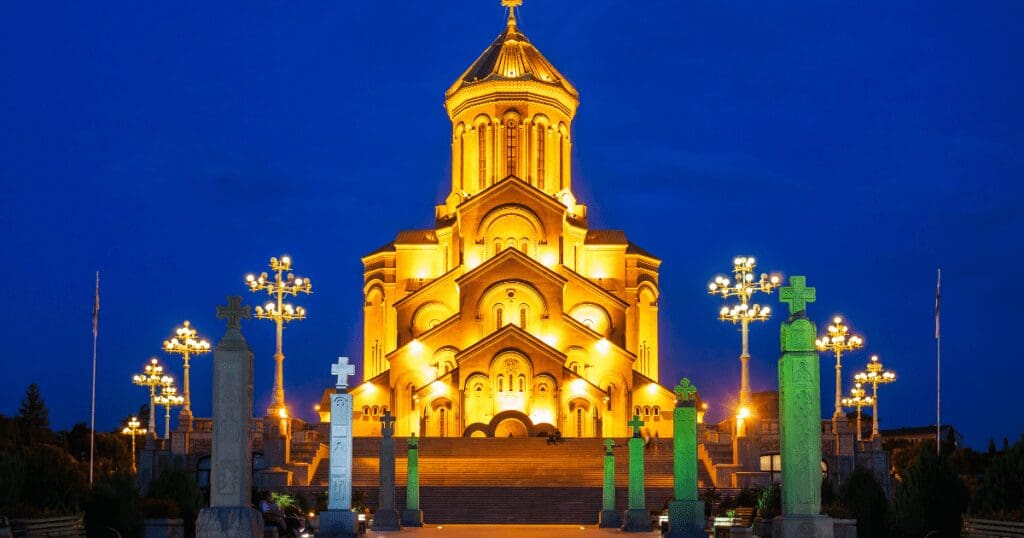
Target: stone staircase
511,480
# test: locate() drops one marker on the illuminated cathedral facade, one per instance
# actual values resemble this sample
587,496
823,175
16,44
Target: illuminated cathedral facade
511,317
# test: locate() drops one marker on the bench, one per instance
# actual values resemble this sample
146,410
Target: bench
46,527
990,528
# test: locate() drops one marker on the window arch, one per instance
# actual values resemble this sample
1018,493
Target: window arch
376,410
442,417
647,411
366,410
523,314
499,312
511,146
579,422
636,411
482,153
541,135
501,383
522,383
656,412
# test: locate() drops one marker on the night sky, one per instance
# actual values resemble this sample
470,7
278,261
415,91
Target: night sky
176,147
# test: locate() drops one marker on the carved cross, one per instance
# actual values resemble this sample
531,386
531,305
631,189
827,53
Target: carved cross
234,312
343,370
414,443
608,444
635,424
685,390
797,294
387,421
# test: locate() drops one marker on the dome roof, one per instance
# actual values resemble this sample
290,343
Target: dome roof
511,57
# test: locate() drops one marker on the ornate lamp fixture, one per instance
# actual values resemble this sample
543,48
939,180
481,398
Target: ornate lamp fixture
168,398
284,284
858,399
186,343
133,429
838,341
152,377
876,375
743,287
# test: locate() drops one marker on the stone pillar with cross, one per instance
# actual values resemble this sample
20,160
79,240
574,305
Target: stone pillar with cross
608,518
386,517
800,420
685,510
230,513
412,516
339,520
636,518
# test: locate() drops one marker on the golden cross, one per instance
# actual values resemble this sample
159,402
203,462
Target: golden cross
511,3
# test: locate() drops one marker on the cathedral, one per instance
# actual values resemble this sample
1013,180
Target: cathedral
510,317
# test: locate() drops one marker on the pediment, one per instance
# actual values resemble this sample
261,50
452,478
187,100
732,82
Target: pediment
512,337
512,189
511,261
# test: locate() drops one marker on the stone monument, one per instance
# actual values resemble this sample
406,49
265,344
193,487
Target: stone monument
636,518
386,517
339,520
412,516
685,510
230,513
800,421
608,518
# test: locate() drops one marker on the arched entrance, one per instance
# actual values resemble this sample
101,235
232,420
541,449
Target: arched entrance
511,427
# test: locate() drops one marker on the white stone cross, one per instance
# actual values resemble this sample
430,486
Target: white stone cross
343,370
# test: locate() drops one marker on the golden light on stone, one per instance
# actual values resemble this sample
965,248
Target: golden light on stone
875,375
133,429
283,284
838,340
188,344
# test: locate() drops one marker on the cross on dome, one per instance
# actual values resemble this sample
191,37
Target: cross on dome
343,370
635,424
797,294
511,3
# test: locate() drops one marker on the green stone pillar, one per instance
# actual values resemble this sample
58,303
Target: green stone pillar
637,518
608,518
800,420
412,516
685,511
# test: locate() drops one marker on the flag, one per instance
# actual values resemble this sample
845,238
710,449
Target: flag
938,285
96,308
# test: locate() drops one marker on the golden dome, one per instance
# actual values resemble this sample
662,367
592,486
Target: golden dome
511,57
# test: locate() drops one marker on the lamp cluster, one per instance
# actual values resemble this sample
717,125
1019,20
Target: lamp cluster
875,375
184,341
743,286
839,338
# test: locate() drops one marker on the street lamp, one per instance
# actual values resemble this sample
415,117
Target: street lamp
876,375
133,429
858,399
280,312
838,341
743,288
152,377
185,343
168,397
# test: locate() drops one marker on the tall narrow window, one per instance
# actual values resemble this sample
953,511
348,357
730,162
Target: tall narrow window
522,383
462,161
497,246
541,135
579,422
441,422
522,318
498,315
501,383
524,246
482,153
561,161
511,146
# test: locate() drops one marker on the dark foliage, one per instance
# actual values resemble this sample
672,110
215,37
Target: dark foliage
864,498
179,486
113,505
1001,492
930,498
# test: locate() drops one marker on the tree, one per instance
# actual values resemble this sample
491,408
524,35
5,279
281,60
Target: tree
33,416
178,485
112,504
930,498
1001,493
864,497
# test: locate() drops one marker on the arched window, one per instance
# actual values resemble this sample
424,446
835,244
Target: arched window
376,410
656,411
542,388
511,146
366,410
647,411
579,422
574,367
482,152
524,245
501,383
498,315
522,383
636,411
441,420
541,135
522,317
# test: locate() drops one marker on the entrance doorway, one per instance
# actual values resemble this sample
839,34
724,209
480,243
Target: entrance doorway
511,427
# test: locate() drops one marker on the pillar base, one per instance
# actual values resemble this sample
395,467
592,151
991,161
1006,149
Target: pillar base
609,519
386,519
229,522
636,520
798,526
412,518
338,524
686,519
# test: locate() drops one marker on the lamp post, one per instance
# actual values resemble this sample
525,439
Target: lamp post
876,375
168,397
133,429
185,343
858,399
152,377
838,341
284,284
743,288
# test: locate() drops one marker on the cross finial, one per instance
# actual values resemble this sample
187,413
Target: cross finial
796,294
635,424
685,390
387,422
608,444
234,312
414,443
511,5
343,370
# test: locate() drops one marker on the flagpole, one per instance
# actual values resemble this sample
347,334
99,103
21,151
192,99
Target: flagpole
938,368
95,335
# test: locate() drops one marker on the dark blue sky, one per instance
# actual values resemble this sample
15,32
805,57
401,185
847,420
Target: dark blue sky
177,147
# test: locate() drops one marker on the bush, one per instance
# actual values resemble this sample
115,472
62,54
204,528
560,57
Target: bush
53,484
159,509
179,486
769,502
864,497
929,499
113,503
1001,493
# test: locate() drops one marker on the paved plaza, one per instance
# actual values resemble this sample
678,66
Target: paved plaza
508,531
